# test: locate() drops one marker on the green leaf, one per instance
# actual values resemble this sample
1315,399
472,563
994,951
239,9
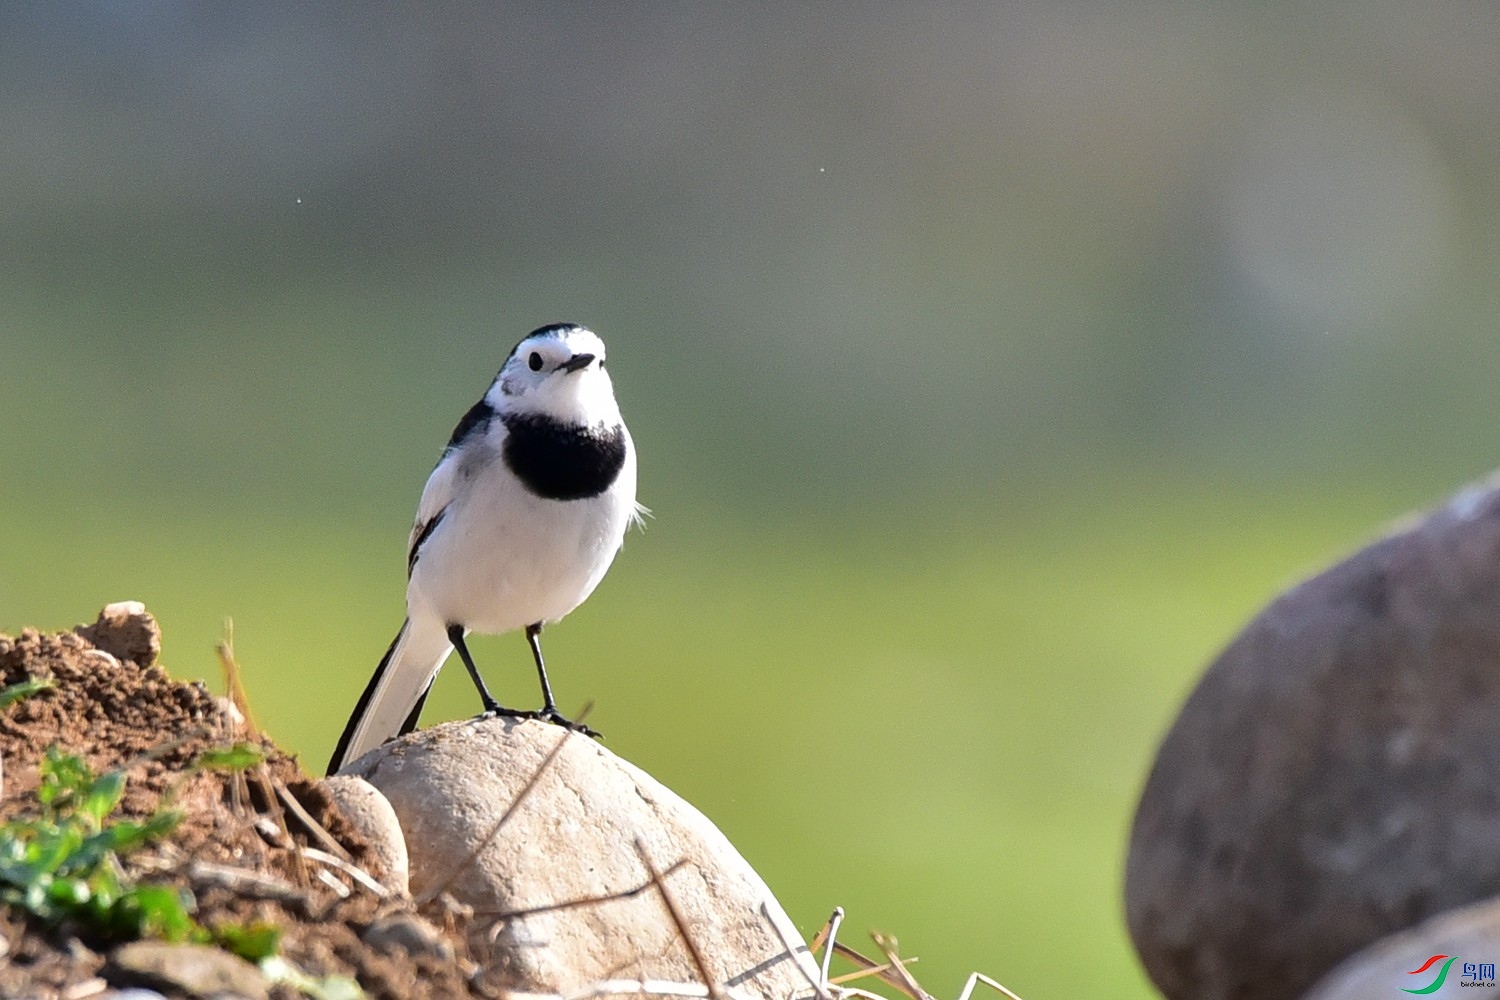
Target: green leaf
279,971
67,893
52,849
102,795
159,911
254,941
233,758
127,835
16,871
62,774
91,854
13,693
106,889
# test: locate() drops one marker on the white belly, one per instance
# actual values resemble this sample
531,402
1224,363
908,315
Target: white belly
504,558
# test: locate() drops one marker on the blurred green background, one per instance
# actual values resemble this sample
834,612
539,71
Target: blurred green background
990,366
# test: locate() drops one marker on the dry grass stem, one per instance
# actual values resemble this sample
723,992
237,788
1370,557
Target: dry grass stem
312,826
899,977
850,977
893,972
792,948
869,967
245,881
649,987
976,978
830,931
694,952
232,683
532,911
354,872
340,890
275,813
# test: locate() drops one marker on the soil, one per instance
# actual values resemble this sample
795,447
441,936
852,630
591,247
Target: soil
114,706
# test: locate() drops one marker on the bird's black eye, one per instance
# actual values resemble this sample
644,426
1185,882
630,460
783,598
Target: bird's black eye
535,361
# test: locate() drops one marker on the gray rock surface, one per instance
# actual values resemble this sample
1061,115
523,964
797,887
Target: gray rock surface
1467,935
538,884
126,631
371,814
195,969
409,933
1335,776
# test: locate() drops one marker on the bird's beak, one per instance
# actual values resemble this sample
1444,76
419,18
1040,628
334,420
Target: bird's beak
577,363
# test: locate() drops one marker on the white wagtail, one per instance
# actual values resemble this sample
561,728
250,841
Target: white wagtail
517,525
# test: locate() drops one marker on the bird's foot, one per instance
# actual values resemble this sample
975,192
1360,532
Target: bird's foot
555,717
494,710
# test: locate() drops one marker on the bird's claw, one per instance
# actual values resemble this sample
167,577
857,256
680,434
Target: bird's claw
494,710
555,717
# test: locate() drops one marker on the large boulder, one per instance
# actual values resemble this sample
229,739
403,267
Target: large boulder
1469,938
555,854
1335,776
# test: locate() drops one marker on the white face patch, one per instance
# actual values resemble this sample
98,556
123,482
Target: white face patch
537,378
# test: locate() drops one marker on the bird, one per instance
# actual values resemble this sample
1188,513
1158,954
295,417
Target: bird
518,523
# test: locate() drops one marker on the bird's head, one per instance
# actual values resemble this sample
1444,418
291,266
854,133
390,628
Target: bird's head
557,371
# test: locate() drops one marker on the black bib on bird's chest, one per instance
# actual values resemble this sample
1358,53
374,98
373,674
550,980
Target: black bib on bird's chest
559,461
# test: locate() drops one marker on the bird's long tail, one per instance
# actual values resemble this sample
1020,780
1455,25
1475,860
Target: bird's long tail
393,698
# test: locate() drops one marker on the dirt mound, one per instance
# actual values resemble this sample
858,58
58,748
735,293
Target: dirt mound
241,848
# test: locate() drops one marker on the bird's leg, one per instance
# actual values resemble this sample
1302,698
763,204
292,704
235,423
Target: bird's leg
534,639
549,712
491,706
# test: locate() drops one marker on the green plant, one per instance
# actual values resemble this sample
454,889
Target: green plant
23,689
63,865
238,757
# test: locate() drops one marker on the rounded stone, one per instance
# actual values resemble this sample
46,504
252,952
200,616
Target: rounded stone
1403,963
371,814
126,631
1335,776
554,855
